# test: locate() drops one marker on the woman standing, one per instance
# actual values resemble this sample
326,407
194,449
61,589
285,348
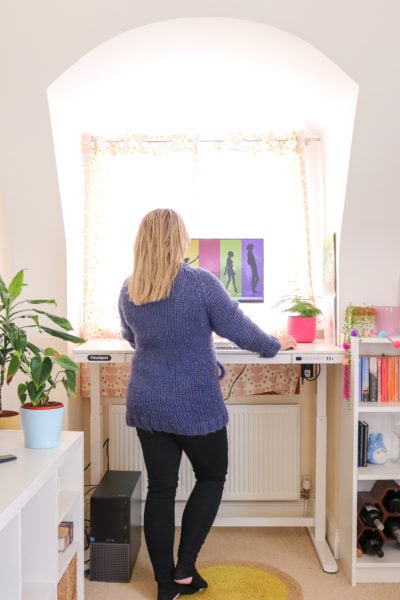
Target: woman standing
251,261
168,312
230,272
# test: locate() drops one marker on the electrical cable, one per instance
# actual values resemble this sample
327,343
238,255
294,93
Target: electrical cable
233,383
317,374
107,445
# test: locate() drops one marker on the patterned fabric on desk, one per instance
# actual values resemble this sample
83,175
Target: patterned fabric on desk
255,379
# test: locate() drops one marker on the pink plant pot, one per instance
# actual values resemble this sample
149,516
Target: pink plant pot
387,319
303,329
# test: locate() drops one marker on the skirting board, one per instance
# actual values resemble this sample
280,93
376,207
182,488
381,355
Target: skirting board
332,535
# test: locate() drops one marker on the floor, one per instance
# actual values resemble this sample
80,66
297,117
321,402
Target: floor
287,549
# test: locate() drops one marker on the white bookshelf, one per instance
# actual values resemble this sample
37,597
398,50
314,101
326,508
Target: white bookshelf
365,569
38,490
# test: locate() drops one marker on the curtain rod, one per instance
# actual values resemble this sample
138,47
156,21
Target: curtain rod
165,141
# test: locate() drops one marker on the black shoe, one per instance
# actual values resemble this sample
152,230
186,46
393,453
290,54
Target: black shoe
168,591
186,589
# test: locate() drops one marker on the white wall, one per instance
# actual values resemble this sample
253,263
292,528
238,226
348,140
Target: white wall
43,40
4,244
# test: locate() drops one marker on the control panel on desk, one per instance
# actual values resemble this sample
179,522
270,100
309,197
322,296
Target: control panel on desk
317,358
317,354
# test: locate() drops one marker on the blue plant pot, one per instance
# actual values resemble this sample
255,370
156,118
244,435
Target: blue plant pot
42,425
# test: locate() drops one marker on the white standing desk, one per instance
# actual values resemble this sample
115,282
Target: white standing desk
101,351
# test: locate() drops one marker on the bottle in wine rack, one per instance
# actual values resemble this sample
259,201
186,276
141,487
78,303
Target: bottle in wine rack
371,542
369,511
392,528
388,493
391,501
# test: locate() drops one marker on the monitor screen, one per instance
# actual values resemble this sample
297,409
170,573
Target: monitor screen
238,263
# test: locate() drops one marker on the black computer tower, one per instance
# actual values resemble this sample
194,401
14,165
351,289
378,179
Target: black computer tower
115,526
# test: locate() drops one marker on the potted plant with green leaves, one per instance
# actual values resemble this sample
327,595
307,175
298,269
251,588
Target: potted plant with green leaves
302,321
42,417
42,369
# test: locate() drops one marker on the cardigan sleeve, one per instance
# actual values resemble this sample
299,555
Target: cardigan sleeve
229,321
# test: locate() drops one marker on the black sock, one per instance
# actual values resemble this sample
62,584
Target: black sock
183,571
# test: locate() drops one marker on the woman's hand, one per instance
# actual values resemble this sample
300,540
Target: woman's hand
287,342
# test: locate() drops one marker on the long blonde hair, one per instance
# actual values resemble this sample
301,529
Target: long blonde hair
160,246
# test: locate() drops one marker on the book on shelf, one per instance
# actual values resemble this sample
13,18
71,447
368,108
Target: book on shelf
391,375
379,371
63,538
373,378
363,436
384,378
65,535
70,526
364,379
360,444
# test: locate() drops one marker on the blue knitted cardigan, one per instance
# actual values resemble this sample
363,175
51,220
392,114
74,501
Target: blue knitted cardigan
174,382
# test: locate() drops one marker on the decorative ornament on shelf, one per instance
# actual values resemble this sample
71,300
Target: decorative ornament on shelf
346,364
359,321
383,334
377,451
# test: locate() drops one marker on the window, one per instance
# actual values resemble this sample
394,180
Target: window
262,186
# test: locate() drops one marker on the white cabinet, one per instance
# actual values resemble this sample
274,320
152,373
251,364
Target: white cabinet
37,491
378,415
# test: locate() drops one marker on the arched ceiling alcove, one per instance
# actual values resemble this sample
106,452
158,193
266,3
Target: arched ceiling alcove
209,76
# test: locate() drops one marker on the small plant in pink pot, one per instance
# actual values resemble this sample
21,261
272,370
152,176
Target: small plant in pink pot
302,322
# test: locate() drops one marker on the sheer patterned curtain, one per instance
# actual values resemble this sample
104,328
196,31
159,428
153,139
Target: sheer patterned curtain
258,184
124,179
240,186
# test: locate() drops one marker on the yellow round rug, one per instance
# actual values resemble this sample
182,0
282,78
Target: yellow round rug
240,582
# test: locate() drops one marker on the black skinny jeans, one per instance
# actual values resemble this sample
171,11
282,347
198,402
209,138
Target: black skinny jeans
162,454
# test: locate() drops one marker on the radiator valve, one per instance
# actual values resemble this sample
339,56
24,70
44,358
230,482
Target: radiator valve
306,485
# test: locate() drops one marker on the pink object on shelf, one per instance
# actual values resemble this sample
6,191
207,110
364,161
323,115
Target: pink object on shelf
387,318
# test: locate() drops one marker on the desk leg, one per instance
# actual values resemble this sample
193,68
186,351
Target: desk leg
96,425
318,535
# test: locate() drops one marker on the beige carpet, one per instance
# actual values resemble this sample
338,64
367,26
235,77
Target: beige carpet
286,549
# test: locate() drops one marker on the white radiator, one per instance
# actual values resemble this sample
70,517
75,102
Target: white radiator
264,456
